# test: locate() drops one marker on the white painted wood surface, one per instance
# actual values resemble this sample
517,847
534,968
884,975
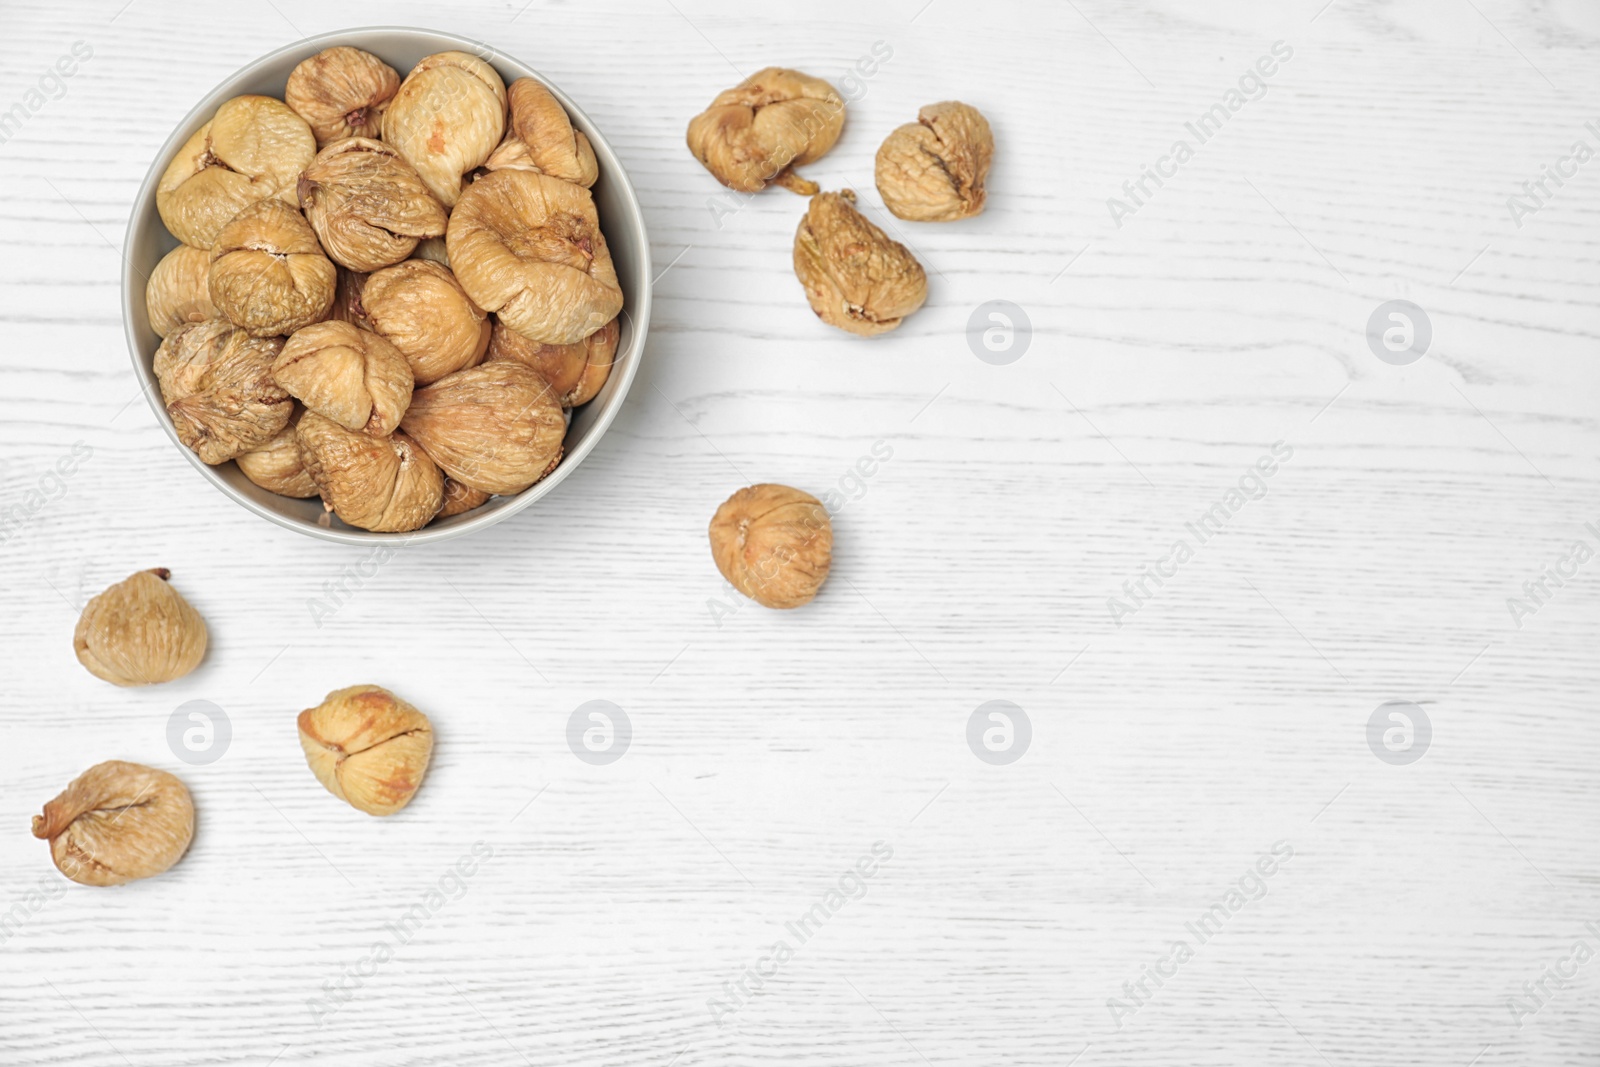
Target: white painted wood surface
771,751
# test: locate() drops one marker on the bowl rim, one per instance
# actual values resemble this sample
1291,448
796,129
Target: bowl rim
143,206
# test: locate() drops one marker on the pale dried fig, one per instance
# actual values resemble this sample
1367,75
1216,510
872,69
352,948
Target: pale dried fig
771,122
433,249
367,205
268,274
933,170
367,747
253,149
341,92
383,484
855,276
276,465
528,247
576,371
347,299
140,632
116,823
216,381
346,374
512,154
446,118
459,498
549,143
421,309
179,291
774,544
495,427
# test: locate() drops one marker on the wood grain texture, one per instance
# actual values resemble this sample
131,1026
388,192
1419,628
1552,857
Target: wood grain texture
771,750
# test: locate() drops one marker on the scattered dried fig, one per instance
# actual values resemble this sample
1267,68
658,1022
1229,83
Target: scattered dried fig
216,381
496,427
855,276
512,154
346,374
253,149
268,274
549,143
116,823
341,92
576,371
433,249
140,632
383,484
178,291
528,247
933,170
448,115
367,205
367,747
421,309
774,544
771,122
276,465
459,498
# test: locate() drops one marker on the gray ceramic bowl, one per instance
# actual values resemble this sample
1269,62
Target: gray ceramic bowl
620,218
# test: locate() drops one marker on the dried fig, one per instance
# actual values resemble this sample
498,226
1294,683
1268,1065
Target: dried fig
549,143
448,115
421,309
576,371
496,427
268,274
347,299
367,205
116,823
528,247
771,122
855,276
774,544
459,498
253,149
216,381
276,465
512,154
367,747
933,170
433,249
383,484
341,92
346,374
140,632
178,291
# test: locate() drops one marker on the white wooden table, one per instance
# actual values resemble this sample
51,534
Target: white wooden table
1228,712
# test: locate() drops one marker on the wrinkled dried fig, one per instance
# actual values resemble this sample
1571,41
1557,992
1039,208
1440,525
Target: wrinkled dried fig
421,309
276,465
341,92
268,274
576,371
774,544
253,149
495,427
511,154
346,374
367,205
759,130
855,276
347,299
459,498
116,823
448,115
367,747
549,143
179,291
216,381
433,249
383,484
933,170
140,632
528,247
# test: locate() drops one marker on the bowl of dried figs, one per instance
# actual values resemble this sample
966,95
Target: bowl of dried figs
386,284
